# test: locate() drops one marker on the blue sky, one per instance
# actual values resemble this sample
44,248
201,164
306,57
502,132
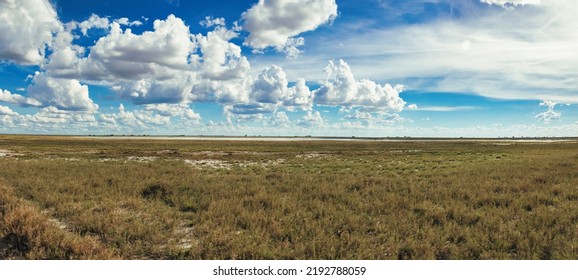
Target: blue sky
437,68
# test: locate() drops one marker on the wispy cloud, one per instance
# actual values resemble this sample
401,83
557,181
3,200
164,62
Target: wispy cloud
525,52
550,114
446,108
510,3
175,3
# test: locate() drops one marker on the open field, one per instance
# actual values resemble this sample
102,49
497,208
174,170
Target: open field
94,198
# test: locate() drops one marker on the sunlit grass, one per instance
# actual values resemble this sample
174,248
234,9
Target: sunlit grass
294,200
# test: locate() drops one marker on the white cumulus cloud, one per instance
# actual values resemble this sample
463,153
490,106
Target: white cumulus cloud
280,119
139,118
150,90
270,86
274,23
122,55
270,91
26,28
170,65
94,21
6,96
6,111
169,44
174,110
312,119
222,60
127,22
342,89
211,21
64,94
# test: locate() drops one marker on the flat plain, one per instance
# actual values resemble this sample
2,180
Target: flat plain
145,198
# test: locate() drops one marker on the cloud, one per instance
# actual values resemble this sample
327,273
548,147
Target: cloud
6,96
52,115
280,119
6,111
342,89
270,91
248,108
167,65
533,58
445,108
298,96
271,86
153,118
245,119
359,118
135,118
150,91
550,114
143,121
222,60
93,22
275,23
124,55
507,3
158,66
63,94
211,21
96,21
50,120
127,22
216,72
27,28
170,65
175,3
548,104
64,58
174,110
291,47
312,119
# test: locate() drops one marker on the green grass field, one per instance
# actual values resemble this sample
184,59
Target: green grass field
83,198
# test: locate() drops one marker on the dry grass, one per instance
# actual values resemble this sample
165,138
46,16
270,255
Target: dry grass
143,199
28,234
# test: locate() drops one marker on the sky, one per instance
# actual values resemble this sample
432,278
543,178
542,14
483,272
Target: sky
367,68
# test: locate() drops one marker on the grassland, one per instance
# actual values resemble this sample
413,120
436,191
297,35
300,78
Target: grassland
83,198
